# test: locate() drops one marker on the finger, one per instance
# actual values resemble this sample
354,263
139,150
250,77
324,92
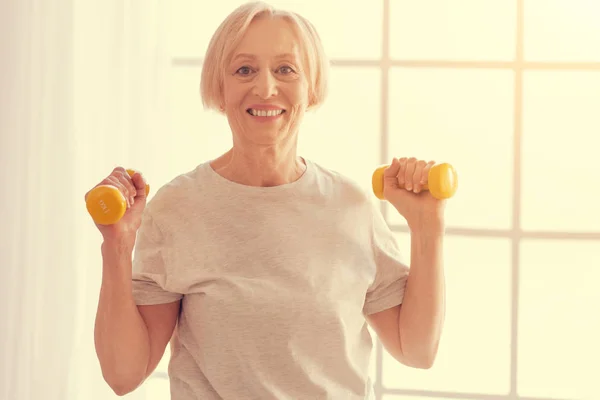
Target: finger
425,174
116,182
125,179
401,175
393,168
409,173
109,180
140,184
106,181
119,170
121,176
418,176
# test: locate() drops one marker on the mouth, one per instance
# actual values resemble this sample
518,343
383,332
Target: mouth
265,113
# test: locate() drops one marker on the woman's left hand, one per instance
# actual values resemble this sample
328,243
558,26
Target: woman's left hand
403,183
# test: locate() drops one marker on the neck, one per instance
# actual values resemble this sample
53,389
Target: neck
260,166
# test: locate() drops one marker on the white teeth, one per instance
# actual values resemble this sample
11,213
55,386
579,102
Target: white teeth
265,113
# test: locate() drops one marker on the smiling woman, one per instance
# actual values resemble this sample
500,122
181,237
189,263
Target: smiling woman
432,79
271,267
254,80
265,84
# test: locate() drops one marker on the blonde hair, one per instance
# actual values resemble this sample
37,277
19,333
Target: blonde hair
231,31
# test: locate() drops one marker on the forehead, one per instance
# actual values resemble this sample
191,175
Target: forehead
269,37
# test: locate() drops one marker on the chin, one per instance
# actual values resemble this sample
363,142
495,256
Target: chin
266,135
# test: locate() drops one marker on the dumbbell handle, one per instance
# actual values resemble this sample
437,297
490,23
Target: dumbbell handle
106,204
442,181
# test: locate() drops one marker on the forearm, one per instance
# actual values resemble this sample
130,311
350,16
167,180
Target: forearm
121,336
422,314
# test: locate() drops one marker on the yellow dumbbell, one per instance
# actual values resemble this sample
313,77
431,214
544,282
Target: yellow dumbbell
442,181
106,204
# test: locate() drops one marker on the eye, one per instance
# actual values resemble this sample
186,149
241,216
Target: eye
285,70
243,71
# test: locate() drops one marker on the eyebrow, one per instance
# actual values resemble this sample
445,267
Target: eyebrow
252,57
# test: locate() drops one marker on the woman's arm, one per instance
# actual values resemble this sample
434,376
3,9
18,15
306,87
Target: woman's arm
130,340
411,332
421,316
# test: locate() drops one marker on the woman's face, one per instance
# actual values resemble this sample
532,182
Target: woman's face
265,84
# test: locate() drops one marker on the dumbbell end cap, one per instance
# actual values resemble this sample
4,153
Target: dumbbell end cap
106,205
443,181
377,181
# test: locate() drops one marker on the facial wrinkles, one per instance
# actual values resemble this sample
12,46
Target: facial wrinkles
288,91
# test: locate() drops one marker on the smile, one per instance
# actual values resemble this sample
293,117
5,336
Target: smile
264,113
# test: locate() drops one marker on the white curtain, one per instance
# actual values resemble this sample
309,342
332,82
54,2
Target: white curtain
82,91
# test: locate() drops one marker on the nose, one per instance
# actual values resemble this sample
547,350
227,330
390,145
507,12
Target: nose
265,85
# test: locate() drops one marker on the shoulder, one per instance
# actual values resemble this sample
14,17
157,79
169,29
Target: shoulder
175,194
340,186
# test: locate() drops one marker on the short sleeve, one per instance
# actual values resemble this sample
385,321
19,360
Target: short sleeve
387,289
149,274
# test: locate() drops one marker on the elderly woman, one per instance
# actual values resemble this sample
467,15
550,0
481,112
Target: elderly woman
263,268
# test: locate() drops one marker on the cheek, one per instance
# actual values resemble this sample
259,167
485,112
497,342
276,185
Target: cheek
233,94
298,95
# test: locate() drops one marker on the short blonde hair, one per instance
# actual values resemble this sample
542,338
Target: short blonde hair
231,31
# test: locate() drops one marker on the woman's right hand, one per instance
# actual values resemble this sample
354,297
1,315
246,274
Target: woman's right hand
133,188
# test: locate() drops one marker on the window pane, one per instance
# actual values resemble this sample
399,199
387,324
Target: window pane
345,135
562,30
560,182
559,319
347,29
192,24
464,117
474,354
453,30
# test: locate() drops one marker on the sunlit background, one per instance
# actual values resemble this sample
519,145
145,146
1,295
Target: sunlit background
508,91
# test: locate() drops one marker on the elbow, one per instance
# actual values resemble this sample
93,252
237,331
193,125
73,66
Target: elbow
423,359
122,385
420,360
121,376
122,388
425,362
428,356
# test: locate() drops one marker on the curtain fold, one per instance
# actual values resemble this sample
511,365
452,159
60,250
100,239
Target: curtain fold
82,84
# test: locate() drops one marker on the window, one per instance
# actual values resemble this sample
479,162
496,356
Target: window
507,91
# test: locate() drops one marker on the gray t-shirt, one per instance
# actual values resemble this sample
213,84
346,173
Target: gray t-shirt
275,283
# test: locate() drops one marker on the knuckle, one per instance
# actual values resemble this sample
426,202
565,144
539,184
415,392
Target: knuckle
118,172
